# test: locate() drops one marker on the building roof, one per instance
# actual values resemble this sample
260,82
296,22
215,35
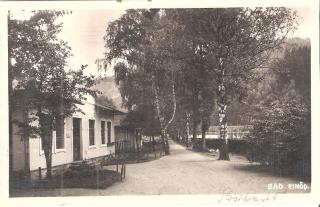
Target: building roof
109,108
20,97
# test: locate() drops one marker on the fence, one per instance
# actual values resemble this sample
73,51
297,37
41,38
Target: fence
131,150
235,145
126,146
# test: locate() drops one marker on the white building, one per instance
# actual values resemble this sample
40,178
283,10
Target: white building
81,137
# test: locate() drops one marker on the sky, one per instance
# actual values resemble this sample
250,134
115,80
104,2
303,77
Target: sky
84,31
304,29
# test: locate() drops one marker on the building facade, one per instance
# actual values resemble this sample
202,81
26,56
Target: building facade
83,136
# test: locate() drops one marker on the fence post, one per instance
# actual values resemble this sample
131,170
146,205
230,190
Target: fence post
97,176
61,176
40,174
124,173
121,172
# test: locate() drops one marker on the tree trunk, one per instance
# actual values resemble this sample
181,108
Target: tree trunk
188,128
224,151
153,144
167,147
46,127
26,146
165,144
194,131
47,139
203,132
48,155
137,141
178,135
164,127
195,108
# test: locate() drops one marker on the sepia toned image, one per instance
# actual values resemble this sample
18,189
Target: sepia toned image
160,101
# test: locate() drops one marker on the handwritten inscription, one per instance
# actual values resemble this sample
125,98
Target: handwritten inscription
245,197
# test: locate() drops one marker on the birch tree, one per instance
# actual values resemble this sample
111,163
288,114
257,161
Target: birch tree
237,42
197,80
144,66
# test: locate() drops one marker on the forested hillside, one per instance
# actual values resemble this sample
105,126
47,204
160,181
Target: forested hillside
266,88
260,89
110,93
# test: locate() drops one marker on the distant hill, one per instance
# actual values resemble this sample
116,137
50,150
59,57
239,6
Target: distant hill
297,41
289,44
240,113
109,88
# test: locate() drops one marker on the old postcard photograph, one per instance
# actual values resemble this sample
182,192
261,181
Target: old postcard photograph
157,101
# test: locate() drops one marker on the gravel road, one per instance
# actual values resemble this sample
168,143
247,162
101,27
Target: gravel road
185,172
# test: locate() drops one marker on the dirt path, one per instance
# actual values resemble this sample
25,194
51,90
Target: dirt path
185,172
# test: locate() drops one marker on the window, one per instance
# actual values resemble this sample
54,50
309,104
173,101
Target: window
59,133
109,131
103,132
91,132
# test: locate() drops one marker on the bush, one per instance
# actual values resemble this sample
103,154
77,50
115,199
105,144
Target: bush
281,138
236,146
95,179
83,169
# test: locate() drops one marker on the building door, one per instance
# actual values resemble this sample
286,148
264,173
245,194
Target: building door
76,139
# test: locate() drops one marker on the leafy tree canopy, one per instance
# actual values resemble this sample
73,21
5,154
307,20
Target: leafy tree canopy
37,63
